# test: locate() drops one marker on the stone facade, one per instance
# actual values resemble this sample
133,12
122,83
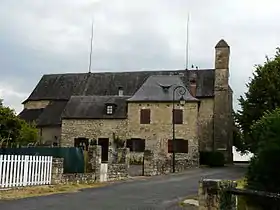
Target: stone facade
91,129
36,104
206,124
159,131
156,134
50,134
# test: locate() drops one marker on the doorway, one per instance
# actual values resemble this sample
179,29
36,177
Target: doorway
104,143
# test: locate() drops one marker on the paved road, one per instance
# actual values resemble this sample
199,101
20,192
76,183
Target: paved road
161,192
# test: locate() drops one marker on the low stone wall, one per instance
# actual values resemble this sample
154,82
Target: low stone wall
162,163
58,177
86,178
117,172
118,164
212,195
57,170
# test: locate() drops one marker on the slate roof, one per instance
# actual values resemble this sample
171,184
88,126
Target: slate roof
221,44
30,115
94,107
160,88
63,86
59,88
52,114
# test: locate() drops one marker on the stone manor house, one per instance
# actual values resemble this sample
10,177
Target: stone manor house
136,108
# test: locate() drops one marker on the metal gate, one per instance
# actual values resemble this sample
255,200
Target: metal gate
103,172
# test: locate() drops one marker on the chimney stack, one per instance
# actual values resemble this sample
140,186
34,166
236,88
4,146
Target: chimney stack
192,80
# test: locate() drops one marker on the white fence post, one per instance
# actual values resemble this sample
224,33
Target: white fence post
24,170
1,170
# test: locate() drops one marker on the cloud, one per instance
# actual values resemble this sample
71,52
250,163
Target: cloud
40,37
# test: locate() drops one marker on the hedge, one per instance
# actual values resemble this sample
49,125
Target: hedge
212,159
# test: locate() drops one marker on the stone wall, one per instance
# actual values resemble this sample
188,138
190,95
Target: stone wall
58,177
118,163
159,131
117,168
205,121
49,133
91,129
212,195
156,164
94,157
162,163
93,175
223,125
36,104
57,170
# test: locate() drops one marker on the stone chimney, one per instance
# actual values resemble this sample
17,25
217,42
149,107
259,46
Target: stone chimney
222,56
222,140
120,91
192,80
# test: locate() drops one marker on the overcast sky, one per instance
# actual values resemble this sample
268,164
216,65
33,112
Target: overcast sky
41,37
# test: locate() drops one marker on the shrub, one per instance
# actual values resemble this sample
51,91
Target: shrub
213,159
264,172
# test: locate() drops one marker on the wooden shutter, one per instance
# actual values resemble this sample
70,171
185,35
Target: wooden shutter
170,146
145,116
180,146
178,116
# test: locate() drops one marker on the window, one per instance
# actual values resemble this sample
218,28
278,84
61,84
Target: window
136,144
145,116
178,116
180,146
109,109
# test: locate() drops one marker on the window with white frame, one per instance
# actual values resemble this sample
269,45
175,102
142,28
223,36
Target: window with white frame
109,109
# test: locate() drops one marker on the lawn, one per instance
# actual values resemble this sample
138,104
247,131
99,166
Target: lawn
25,192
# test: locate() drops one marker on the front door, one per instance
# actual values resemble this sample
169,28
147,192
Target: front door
104,143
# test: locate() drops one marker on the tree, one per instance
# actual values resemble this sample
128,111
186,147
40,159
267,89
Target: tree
263,172
13,129
263,95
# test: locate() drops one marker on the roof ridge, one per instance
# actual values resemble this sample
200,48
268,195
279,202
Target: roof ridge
128,71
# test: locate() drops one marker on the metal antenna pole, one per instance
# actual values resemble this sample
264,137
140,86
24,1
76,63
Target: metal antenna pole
187,44
91,43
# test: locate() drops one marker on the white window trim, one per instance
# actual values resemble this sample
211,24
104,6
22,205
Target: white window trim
109,109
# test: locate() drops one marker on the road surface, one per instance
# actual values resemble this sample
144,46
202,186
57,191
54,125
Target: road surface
159,192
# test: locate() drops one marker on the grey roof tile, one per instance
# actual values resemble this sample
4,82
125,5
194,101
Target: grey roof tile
30,115
94,107
52,114
63,86
159,88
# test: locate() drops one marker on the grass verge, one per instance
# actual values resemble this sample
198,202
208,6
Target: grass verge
34,191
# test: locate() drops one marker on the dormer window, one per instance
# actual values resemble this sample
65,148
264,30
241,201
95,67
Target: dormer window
109,109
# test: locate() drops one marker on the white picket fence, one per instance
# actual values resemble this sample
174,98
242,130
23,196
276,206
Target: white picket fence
24,170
